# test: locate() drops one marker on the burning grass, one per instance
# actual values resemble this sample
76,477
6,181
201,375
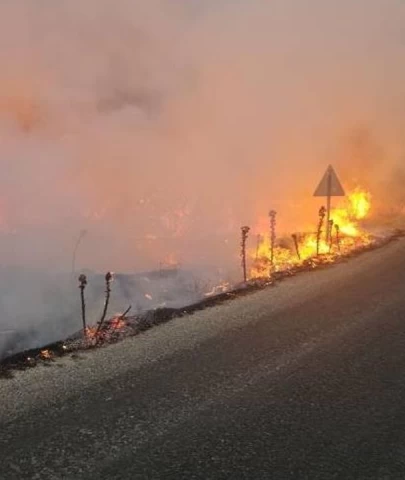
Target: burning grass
330,242
121,326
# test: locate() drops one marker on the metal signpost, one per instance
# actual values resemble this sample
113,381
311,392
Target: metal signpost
329,187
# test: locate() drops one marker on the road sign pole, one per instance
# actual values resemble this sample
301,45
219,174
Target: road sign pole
328,208
329,187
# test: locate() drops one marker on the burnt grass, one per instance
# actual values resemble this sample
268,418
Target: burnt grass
47,355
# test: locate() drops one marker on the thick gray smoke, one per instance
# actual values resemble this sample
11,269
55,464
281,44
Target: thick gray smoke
160,127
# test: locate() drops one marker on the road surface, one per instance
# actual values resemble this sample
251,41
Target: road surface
305,380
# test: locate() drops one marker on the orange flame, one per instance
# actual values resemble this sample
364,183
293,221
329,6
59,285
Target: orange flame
345,237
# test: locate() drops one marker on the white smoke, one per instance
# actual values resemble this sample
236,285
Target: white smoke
161,127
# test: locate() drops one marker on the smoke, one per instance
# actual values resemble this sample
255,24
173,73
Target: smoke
161,127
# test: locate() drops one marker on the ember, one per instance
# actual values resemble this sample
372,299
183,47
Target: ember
117,323
46,355
109,331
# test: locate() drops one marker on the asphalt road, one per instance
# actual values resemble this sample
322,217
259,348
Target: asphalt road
305,380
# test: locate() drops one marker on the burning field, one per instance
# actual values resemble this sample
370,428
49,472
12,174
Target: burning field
270,261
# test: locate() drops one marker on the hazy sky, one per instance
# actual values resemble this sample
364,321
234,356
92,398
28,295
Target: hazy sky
162,126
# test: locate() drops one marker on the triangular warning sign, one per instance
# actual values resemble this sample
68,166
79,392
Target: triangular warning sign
330,185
